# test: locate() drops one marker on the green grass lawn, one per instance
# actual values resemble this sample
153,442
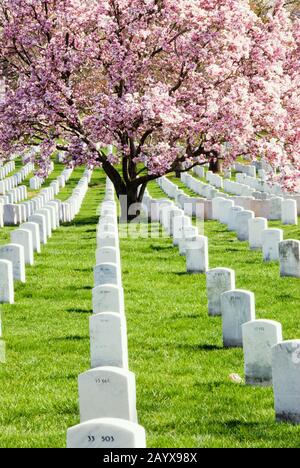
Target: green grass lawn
184,395
58,168
46,334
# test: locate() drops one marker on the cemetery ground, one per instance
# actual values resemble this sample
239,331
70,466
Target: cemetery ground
184,395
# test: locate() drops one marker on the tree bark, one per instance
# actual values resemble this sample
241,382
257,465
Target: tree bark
131,203
216,165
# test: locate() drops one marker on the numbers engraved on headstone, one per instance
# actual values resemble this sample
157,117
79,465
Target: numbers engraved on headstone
102,381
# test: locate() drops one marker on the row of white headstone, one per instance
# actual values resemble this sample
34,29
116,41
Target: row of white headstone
265,199
14,214
283,208
178,225
15,195
268,360
7,185
71,207
107,394
6,169
246,176
260,237
246,225
261,185
266,208
28,238
201,208
36,182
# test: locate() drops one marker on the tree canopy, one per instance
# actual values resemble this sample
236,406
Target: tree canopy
169,83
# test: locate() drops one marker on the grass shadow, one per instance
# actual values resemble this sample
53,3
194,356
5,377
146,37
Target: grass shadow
79,311
201,347
71,338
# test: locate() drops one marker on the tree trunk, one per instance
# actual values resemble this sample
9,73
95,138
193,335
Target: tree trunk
131,204
216,165
178,170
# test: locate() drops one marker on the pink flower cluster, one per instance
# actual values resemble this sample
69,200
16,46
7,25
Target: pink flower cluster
166,82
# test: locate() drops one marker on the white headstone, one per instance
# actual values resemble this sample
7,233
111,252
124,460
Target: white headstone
256,228
102,228
62,181
47,213
225,210
189,233
6,282
242,224
40,219
289,257
289,214
53,215
270,241
107,273
24,238
106,433
15,254
107,392
180,223
218,281
107,239
286,381
275,208
55,186
216,203
238,307
108,298
11,214
108,340
35,232
232,217
108,220
258,338
107,255
197,255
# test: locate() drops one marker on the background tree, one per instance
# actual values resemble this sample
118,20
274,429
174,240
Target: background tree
169,83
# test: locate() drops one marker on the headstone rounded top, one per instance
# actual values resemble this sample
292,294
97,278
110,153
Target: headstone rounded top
239,291
118,371
259,219
120,423
12,245
247,213
5,262
219,270
294,241
261,322
288,344
270,230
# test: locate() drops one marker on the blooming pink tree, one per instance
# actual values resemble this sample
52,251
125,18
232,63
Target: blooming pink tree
169,83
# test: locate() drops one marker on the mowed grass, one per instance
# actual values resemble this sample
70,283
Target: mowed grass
184,395
46,333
